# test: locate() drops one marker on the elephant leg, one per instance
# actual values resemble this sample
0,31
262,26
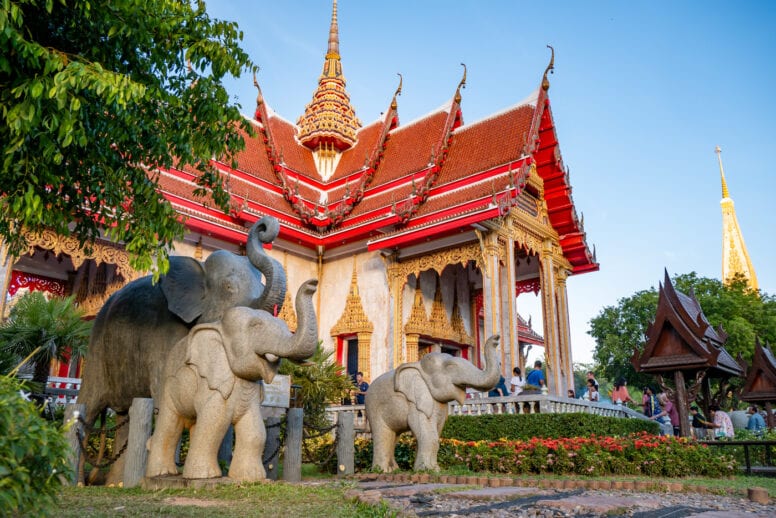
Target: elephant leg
250,437
425,431
164,441
384,446
116,473
205,439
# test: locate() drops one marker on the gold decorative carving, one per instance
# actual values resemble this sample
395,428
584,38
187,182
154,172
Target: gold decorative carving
418,322
459,329
353,319
437,262
438,323
101,251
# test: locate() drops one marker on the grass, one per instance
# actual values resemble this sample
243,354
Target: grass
269,499
320,496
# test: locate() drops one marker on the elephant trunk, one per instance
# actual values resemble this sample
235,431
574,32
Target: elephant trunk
306,336
305,340
264,231
487,378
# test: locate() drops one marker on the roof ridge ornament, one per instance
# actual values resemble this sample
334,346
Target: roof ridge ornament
259,96
397,92
550,69
462,84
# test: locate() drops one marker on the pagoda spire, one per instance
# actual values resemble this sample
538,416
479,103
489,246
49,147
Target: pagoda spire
735,257
329,123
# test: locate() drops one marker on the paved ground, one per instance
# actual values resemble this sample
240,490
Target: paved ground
472,497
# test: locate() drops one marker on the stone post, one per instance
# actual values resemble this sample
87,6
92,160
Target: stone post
292,460
141,415
72,414
345,444
272,447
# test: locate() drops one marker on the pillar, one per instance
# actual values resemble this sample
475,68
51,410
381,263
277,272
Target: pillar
509,305
564,333
491,289
549,315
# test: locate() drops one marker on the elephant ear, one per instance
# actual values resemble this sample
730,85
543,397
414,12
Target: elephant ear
410,381
207,354
185,288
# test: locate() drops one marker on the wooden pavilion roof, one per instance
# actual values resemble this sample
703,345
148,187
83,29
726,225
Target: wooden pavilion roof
760,385
681,338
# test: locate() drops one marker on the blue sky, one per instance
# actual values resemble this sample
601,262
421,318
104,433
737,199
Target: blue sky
642,93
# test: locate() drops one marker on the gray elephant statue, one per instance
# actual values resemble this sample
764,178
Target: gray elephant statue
210,382
138,326
414,397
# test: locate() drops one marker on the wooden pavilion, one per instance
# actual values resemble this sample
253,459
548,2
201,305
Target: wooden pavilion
682,344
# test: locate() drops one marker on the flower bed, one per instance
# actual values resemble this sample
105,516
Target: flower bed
635,454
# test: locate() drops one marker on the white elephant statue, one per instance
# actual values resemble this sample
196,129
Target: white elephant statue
414,397
210,382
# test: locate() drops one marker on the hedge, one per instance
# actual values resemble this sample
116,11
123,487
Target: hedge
546,426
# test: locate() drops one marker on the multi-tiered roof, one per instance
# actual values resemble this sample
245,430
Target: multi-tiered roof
332,182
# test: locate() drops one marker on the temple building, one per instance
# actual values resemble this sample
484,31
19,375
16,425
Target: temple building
423,236
735,257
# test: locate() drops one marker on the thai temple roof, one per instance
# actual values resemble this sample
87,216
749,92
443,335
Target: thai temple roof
332,182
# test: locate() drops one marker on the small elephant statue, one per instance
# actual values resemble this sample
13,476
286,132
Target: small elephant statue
414,397
210,382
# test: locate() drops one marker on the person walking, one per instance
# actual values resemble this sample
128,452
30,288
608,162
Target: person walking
669,414
649,402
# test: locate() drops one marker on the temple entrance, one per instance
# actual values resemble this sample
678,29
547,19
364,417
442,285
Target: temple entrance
352,358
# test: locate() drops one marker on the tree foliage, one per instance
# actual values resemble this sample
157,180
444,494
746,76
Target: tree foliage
743,314
54,327
95,96
33,456
321,383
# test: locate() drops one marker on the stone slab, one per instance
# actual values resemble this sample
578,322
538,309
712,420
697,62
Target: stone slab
495,493
602,504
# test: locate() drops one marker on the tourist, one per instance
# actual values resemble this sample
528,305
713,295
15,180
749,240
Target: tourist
517,382
592,391
500,389
536,376
620,394
756,423
721,423
699,423
591,376
361,388
571,394
649,402
669,414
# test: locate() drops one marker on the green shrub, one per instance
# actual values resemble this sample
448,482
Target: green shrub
33,456
548,426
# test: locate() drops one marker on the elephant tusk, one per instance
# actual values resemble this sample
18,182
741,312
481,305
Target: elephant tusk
271,357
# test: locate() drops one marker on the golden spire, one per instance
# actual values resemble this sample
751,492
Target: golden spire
735,257
329,123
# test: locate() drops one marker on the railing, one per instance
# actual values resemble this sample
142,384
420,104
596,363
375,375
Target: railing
528,404
60,390
538,404
764,464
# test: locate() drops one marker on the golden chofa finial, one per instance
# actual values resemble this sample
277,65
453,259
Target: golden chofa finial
725,193
550,69
259,97
462,84
397,92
